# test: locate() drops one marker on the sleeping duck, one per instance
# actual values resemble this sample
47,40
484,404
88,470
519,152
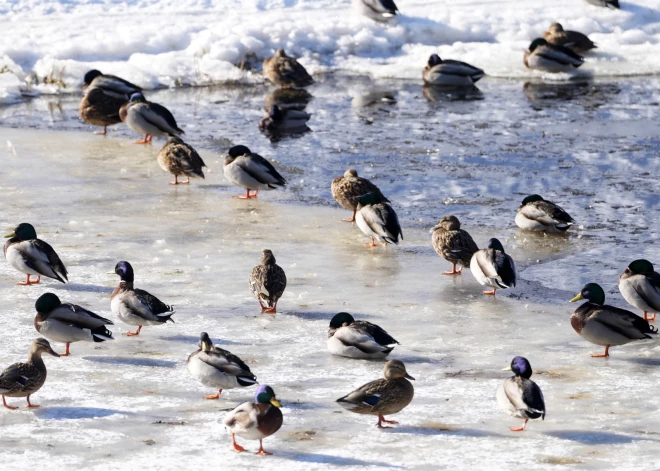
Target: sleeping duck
33,256
358,339
251,172
149,119
453,243
450,73
267,282
347,189
286,71
606,325
493,267
379,10
551,58
180,159
376,218
640,286
537,214
577,42
519,396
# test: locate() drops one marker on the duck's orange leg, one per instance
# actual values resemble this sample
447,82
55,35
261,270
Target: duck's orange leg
519,429
647,316
176,180
271,309
145,140
352,219
137,332
27,281
4,403
602,355
453,271
261,451
237,447
372,244
247,195
491,293
66,352
30,405
382,420
214,396
102,133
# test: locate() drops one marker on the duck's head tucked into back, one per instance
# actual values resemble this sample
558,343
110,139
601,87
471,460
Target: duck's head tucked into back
24,231
138,98
521,367
371,198
205,342
638,267
275,113
531,199
266,395
90,76
495,244
47,303
434,60
236,152
351,172
267,258
449,223
555,28
593,293
538,42
125,271
342,319
395,369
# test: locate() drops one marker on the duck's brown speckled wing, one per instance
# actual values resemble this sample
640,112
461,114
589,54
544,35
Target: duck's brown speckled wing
347,190
267,283
454,246
21,378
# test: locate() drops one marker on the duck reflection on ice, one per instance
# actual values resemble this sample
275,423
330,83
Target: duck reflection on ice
284,122
445,94
587,93
287,98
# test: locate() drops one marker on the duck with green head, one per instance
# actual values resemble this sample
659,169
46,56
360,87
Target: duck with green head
32,256
551,58
493,267
376,218
358,339
149,119
538,214
640,286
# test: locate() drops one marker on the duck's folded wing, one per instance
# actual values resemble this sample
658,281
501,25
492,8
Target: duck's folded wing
486,261
116,85
78,316
367,394
533,397
291,70
648,288
12,377
560,54
378,333
462,69
623,322
554,211
260,169
45,260
383,221
506,269
145,305
226,362
160,117
355,336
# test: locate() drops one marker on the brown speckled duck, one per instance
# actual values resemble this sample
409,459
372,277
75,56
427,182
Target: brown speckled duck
453,243
578,42
286,71
267,282
346,190
180,159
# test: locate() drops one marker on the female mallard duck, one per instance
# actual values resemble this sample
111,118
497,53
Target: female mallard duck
450,73
284,120
217,368
493,267
519,396
255,420
385,396
376,218
537,214
286,71
604,325
347,189
453,243
150,119
251,171
68,323
358,339
33,256
577,42
379,10
551,58
136,306
267,282
179,158
25,379
613,4
640,286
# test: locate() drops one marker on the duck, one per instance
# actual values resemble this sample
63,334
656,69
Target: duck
613,4
25,379
519,396
267,282
284,120
69,323
639,285
537,214
217,368
347,189
32,256
450,73
386,396
376,218
493,267
286,71
287,98
150,119
251,171
135,306
255,420
577,42
551,58
453,243
379,10
605,325
180,159
358,339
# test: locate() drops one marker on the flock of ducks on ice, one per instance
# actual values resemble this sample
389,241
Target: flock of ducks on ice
109,100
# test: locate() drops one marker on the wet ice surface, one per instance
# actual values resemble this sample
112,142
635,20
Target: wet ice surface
590,147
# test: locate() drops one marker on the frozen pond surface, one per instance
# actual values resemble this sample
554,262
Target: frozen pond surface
592,147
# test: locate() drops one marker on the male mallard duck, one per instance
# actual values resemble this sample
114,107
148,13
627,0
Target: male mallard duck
577,42
179,158
383,396
605,325
286,71
251,171
379,10
453,243
640,286
68,323
217,368
136,306
493,267
110,83
347,189
150,119
551,58
519,396
613,4
25,379
537,214
450,73
284,120
376,218
267,282
255,420
33,256
358,339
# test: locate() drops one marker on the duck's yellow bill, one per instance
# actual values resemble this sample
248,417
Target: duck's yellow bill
508,368
577,298
275,402
10,235
110,272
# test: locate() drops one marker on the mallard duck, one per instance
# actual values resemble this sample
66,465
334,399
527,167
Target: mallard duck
217,368
605,325
613,4
640,286
493,267
251,171
385,396
537,214
267,282
33,256
577,42
453,243
380,10
376,218
283,120
450,73
347,189
179,158
110,83
551,58
136,306
255,420
150,119
25,379
68,323
358,339
286,71
519,396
